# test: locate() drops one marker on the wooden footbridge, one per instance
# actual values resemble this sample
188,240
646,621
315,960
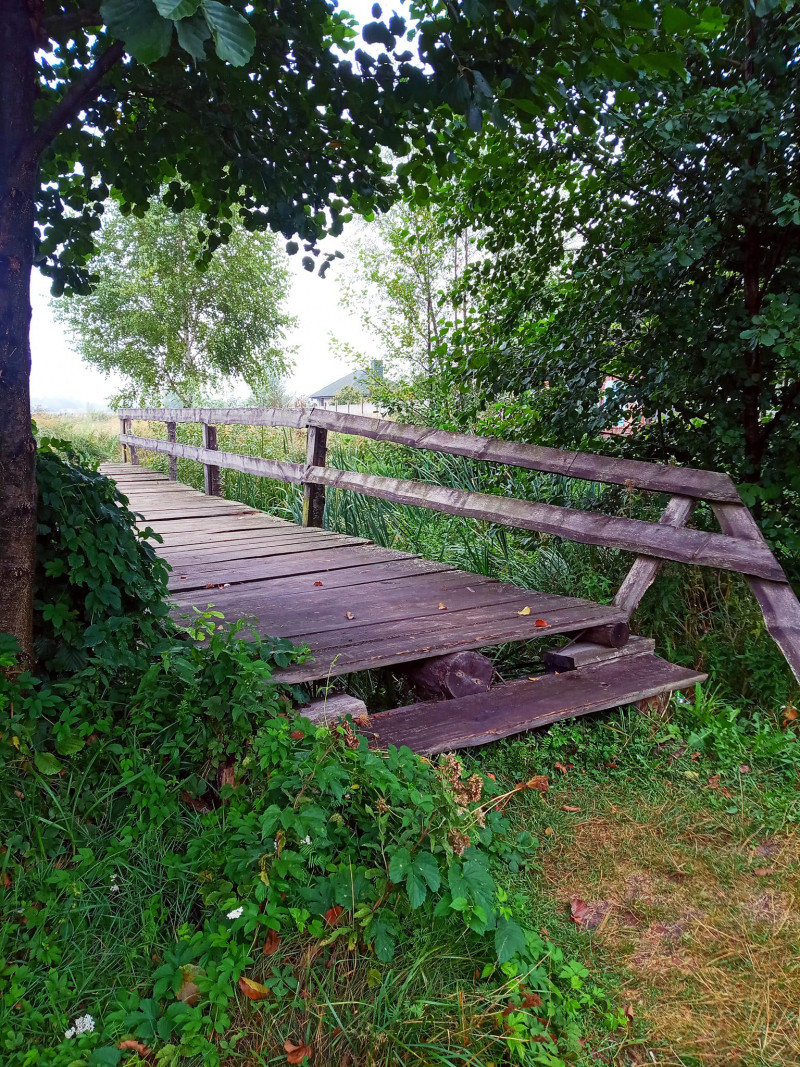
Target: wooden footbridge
359,606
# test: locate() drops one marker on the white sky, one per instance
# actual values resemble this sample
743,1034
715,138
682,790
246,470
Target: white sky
61,380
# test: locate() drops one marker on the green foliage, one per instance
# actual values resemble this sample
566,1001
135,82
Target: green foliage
100,587
174,322
656,257
168,780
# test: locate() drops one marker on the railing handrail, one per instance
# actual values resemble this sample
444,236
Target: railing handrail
593,467
740,547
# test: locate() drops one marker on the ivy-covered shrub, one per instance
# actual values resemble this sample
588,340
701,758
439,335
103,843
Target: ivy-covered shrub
99,583
177,844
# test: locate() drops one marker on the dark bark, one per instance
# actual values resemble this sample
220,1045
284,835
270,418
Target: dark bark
18,178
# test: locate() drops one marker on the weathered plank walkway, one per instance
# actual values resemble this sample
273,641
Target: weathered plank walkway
358,606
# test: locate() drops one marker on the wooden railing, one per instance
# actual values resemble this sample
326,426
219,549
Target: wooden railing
739,547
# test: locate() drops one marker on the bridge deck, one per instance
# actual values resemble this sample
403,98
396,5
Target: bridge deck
356,605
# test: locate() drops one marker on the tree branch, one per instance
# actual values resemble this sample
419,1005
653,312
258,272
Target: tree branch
76,20
79,94
791,394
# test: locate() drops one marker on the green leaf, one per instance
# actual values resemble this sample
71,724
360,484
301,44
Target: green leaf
176,9
416,889
46,763
509,940
676,20
192,36
69,743
105,1057
234,37
425,866
399,865
639,16
137,22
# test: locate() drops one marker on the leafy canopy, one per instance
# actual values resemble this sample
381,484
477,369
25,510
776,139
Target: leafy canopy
660,253
176,323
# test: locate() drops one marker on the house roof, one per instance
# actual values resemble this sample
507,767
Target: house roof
356,379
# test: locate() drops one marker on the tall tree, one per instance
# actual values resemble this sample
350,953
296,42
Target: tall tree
661,253
171,327
243,102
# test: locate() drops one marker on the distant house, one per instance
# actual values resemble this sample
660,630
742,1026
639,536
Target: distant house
349,393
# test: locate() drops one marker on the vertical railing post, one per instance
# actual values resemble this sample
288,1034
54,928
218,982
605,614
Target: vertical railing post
123,446
126,427
173,460
210,472
314,495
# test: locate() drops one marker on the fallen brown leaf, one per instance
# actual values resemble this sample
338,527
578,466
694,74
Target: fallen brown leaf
296,735
563,767
253,990
333,915
297,1053
762,872
272,942
627,1011
349,615
188,991
569,807
525,611
442,606
135,1046
539,782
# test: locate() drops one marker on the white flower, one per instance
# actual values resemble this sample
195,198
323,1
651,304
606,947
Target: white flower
114,889
306,840
84,1024
235,914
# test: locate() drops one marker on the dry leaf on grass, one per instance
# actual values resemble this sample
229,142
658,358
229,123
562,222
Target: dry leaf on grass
297,1053
253,990
272,943
135,1046
569,807
333,915
539,782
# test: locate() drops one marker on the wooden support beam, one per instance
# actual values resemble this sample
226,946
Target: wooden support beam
779,604
447,677
583,653
332,708
210,471
173,462
280,470
611,635
129,449
314,495
645,568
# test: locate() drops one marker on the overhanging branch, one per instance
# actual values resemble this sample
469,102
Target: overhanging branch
80,93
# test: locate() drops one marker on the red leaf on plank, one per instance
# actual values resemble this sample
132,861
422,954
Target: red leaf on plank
541,622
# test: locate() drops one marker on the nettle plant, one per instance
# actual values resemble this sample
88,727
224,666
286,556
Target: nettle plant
167,778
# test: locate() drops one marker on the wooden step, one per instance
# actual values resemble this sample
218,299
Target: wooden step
445,725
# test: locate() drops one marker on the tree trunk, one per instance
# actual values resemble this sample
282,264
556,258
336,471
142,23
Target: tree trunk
17,448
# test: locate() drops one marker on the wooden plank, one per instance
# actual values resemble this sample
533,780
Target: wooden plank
343,578
477,629
244,520
632,535
292,417
314,495
325,610
498,608
279,470
704,485
245,569
582,653
779,604
172,436
318,564
645,568
442,726
265,539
